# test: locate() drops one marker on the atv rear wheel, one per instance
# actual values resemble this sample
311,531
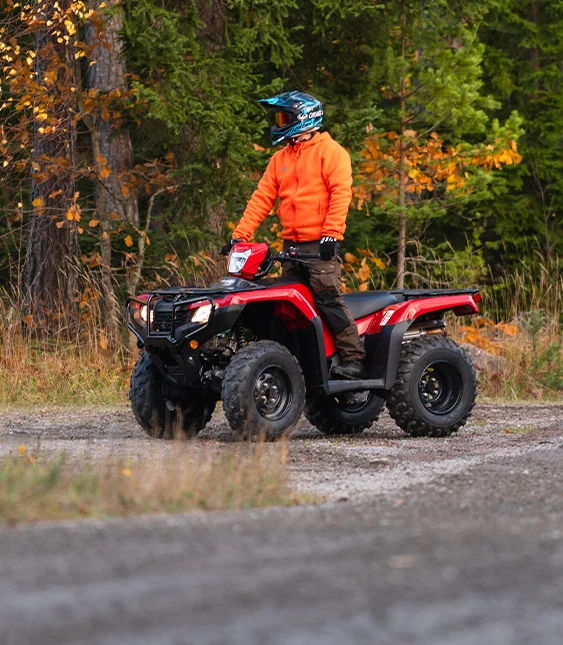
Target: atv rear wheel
263,391
180,416
435,389
348,413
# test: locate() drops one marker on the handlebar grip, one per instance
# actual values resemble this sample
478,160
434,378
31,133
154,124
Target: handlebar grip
296,256
308,256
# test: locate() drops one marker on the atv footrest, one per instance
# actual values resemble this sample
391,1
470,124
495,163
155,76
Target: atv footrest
337,386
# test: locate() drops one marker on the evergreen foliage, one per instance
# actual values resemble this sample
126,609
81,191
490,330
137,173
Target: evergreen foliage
523,68
406,77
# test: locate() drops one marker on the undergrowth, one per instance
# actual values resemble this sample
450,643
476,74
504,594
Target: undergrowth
77,366
521,323
34,372
529,365
35,487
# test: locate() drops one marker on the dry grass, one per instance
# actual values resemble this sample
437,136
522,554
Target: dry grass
77,367
530,367
522,323
34,372
34,487
81,367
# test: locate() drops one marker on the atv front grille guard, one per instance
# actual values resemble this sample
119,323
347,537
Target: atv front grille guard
179,304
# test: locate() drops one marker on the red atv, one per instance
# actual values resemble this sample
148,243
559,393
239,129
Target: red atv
260,346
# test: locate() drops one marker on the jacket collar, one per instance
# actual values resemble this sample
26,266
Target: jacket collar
319,136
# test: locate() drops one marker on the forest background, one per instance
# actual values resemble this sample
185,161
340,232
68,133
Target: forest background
131,139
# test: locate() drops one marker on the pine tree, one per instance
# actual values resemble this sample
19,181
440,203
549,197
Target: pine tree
419,62
524,70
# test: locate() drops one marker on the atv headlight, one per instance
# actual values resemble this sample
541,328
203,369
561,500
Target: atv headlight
143,314
202,314
237,260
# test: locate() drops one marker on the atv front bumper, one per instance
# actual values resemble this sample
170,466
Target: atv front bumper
167,330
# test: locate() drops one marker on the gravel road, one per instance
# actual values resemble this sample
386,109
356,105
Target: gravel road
453,541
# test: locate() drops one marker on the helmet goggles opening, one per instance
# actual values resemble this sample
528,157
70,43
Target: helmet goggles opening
282,119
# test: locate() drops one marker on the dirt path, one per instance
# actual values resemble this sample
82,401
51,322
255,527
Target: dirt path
379,461
441,542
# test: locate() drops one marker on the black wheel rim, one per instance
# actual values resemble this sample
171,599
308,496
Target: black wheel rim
272,393
440,387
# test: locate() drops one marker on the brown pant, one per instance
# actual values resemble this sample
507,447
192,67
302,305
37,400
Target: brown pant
323,277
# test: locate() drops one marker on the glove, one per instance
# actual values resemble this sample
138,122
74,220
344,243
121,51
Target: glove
328,247
227,248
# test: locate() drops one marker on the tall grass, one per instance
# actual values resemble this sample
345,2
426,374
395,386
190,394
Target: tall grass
34,487
83,365
525,290
77,366
521,321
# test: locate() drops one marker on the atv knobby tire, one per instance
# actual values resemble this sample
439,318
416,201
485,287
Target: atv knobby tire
331,415
263,391
435,389
184,415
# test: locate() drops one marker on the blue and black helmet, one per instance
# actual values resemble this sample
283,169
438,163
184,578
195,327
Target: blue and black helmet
296,113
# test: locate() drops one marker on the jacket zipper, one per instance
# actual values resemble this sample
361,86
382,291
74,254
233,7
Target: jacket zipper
294,224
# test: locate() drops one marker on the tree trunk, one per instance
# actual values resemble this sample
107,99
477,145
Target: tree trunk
112,150
535,51
51,268
402,213
402,233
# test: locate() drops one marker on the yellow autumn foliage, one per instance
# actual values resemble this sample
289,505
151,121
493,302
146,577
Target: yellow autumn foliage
426,162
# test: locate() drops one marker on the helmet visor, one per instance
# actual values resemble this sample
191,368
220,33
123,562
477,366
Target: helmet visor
282,118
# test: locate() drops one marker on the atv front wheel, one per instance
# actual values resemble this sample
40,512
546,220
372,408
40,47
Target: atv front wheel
435,389
263,391
180,416
347,413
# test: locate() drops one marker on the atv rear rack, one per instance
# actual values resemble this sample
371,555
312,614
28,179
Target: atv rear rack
414,294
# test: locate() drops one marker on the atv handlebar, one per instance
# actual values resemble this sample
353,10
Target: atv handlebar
290,255
294,255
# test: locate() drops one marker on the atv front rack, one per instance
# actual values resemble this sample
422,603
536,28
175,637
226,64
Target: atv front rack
180,301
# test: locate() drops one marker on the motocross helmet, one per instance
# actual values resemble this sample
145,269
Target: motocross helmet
296,113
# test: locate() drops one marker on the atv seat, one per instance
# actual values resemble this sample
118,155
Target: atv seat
364,303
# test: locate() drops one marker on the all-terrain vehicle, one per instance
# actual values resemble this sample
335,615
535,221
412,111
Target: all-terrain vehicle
260,346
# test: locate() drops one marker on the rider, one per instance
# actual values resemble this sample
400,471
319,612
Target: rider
312,176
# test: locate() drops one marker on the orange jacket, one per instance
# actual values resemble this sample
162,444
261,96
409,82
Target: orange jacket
313,180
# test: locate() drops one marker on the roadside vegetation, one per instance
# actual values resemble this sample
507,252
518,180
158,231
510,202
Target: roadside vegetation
71,369
520,329
131,139
36,486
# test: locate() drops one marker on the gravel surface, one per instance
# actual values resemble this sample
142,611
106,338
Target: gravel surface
453,541
380,460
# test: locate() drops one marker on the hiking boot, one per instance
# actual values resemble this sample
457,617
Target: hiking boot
348,371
